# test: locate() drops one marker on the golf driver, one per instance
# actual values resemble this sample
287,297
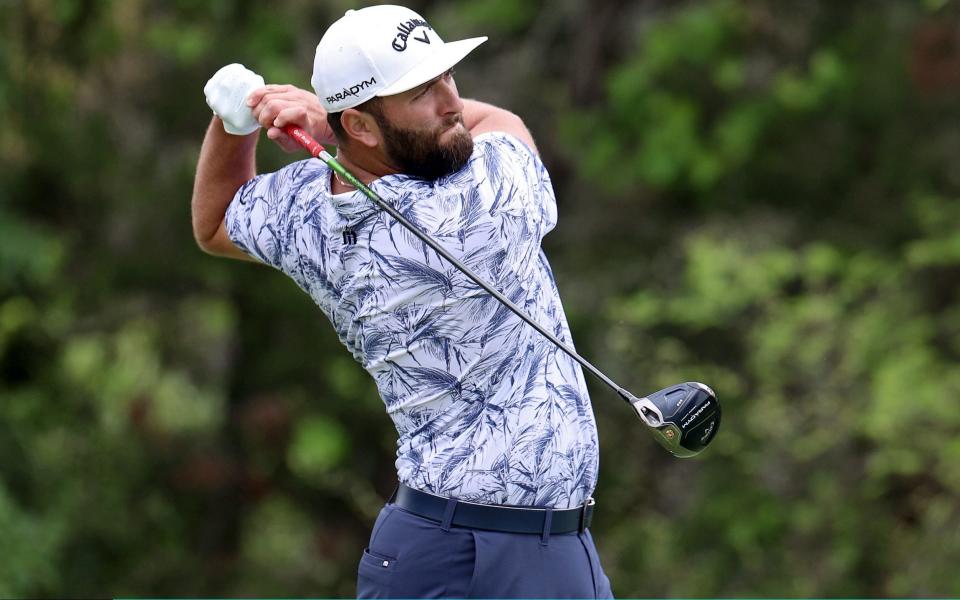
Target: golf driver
683,418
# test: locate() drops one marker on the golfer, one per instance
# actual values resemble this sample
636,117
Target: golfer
497,454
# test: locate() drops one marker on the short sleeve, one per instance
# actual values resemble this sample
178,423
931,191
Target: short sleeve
262,217
520,180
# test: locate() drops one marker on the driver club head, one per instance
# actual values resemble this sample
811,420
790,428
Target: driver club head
683,418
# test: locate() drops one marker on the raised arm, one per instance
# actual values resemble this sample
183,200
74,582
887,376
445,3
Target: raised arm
480,117
226,162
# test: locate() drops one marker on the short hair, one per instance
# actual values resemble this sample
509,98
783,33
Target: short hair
374,106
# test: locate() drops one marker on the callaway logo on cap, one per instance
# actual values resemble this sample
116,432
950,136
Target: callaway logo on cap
380,51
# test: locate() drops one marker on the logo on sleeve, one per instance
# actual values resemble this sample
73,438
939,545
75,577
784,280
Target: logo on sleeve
405,30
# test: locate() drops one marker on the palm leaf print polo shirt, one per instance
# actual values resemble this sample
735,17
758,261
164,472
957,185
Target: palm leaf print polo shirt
487,409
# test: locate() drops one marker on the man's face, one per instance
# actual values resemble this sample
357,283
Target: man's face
423,130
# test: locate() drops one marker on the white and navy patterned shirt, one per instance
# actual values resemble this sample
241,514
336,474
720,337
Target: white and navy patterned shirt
486,408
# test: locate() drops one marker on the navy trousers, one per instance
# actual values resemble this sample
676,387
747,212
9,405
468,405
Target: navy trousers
410,556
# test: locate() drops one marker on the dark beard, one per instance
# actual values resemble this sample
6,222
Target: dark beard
419,154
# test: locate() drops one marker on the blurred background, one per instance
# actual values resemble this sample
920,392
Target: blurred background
762,195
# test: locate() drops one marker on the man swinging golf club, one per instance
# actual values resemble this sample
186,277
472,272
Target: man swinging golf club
497,455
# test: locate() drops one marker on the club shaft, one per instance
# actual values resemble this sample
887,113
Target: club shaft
318,151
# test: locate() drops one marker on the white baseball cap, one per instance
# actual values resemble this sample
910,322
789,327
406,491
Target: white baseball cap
380,51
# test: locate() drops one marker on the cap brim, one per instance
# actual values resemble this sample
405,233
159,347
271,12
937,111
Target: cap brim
436,64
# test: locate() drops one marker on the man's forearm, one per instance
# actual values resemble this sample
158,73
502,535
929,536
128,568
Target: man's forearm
475,111
226,163
480,117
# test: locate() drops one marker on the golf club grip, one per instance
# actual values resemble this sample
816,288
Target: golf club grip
304,139
318,151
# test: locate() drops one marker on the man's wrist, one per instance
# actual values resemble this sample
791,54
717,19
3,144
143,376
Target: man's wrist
216,126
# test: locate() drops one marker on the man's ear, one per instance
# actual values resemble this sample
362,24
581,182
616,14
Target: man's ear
360,126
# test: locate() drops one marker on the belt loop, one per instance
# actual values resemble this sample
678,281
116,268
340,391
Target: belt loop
393,496
448,514
547,523
584,517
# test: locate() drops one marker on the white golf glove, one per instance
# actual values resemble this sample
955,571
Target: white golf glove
226,94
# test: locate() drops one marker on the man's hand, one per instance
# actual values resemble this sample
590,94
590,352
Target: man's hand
275,106
226,93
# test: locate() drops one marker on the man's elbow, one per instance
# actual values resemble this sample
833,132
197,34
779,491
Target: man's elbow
203,239
205,245
215,247
515,126
204,235
219,244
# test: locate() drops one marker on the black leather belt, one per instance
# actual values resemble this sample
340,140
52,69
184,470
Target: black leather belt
492,517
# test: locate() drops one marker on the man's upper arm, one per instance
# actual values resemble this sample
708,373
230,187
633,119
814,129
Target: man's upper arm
221,245
520,181
262,219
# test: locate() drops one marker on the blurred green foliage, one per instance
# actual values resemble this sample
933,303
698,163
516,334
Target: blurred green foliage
764,193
